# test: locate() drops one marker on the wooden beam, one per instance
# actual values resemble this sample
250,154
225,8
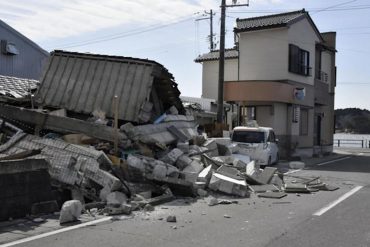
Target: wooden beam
60,124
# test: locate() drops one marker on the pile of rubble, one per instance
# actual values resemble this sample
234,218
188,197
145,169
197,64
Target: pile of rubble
139,154
161,161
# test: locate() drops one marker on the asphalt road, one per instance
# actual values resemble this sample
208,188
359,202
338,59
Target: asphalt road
253,221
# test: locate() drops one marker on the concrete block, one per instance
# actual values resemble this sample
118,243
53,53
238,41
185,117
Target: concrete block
122,209
211,145
275,195
202,192
228,185
205,175
266,175
184,147
159,171
263,188
183,161
71,211
229,172
189,176
172,156
194,166
276,180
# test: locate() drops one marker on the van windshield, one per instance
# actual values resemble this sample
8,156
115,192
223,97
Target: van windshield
249,136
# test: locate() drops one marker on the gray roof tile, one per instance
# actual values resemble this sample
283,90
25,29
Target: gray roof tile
214,55
16,87
268,21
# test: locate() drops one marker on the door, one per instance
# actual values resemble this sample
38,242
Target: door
318,131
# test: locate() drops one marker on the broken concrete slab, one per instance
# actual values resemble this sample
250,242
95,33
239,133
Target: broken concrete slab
228,185
121,209
71,211
230,172
296,188
276,195
205,175
194,167
183,161
266,175
184,147
177,133
211,145
263,188
277,181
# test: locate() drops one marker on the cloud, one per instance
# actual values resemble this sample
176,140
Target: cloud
42,20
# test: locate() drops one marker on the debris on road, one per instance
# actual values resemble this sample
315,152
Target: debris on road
171,218
85,156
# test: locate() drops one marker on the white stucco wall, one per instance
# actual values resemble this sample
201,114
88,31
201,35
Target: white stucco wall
264,54
280,118
326,64
264,117
303,35
210,76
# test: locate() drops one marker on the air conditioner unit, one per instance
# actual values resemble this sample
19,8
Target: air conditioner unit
8,48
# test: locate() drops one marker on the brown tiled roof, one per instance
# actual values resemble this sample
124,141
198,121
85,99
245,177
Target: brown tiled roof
214,55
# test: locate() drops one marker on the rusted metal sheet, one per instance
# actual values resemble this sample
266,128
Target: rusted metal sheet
84,83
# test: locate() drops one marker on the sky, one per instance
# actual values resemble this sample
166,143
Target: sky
167,32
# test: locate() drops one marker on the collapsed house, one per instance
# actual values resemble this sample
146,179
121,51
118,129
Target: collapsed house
138,154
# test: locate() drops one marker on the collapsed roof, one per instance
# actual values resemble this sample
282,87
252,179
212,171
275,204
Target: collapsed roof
84,83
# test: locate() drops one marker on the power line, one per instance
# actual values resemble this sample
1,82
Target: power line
333,6
123,34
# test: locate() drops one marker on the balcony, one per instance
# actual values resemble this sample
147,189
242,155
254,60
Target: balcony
322,76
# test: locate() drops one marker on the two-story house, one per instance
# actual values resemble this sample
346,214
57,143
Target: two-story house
282,74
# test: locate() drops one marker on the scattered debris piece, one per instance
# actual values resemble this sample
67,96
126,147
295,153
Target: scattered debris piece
227,216
276,195
71,211
171,218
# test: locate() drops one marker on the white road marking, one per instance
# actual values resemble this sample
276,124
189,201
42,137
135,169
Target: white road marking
294,171
332,161
336,202
65,229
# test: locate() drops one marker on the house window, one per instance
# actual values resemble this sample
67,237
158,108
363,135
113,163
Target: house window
303,127
299,61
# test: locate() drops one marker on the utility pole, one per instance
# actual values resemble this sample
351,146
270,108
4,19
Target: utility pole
221,67
210,18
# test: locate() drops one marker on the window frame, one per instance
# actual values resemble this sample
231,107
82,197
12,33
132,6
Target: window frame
299,61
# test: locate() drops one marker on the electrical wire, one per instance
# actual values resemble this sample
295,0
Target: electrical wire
123,34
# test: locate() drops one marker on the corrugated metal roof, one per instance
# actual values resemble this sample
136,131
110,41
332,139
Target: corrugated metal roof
214,55
83,83
16,87
268,21
203,102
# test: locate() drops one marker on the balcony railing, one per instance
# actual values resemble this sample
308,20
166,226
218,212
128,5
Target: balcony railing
322,76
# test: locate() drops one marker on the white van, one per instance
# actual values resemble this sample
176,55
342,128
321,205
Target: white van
257,142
